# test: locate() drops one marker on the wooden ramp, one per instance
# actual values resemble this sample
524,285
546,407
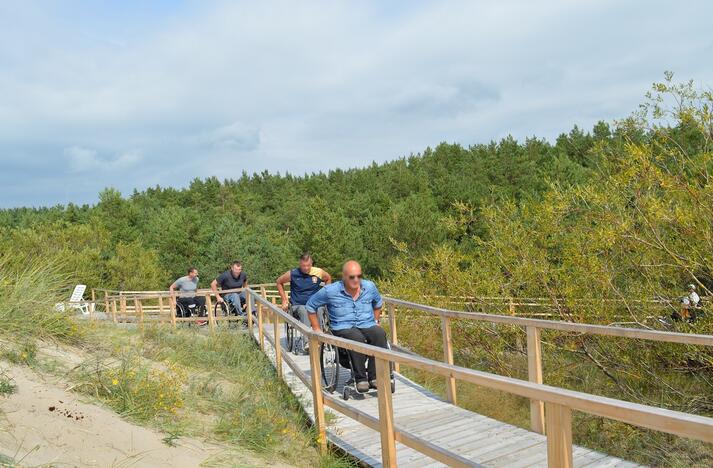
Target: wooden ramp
479,439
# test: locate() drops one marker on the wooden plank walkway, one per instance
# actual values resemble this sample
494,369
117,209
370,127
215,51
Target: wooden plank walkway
482,440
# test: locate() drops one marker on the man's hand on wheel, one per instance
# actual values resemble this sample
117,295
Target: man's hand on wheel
220,299
285,305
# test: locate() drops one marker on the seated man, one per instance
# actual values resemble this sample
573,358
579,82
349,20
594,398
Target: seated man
354,307
304,281
234,278
186,287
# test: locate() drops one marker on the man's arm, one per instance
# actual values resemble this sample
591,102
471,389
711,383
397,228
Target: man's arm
377,303
314,321
326,277
284,278
377,315
317,300
214,288
172,289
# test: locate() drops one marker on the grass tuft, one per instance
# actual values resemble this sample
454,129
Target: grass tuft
25,353
7,385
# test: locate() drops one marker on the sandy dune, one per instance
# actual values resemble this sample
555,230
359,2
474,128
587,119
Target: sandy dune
43,424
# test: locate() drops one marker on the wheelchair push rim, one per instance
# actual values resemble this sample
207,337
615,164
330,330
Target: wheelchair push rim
329,365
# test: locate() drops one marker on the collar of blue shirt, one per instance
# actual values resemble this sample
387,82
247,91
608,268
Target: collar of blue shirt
344,291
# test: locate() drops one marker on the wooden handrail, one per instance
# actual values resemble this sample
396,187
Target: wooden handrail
652,335
559,401
556,403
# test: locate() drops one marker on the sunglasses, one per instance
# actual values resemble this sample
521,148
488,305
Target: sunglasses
352,277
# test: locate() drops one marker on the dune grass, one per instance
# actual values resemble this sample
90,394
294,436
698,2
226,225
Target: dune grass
27,300
215,387
7,385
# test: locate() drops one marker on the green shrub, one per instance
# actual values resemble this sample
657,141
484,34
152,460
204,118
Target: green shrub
133,388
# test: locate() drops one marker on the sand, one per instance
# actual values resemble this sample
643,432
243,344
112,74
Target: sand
43,424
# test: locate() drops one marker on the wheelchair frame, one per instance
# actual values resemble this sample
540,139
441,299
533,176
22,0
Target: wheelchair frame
183,311
331,359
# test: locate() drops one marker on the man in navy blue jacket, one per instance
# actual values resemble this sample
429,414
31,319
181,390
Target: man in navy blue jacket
305,281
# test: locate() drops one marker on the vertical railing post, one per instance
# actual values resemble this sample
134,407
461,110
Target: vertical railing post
140,311
209,306
278,344
122,306
113,310
534,374
386,412
249,300
94,302
274,302
172,306
317,396
160,307
392,332
559,436
263,293
448,358
106,306
260,332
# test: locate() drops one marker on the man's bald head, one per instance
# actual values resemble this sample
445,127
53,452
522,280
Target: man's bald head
351,273
350,267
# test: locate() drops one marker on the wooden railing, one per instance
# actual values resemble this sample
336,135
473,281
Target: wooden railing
160,306
532,328
551,407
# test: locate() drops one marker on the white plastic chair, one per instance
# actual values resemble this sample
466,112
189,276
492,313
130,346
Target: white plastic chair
76,300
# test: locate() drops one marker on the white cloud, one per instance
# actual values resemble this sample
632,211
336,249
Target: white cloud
236,136
83,159
213,88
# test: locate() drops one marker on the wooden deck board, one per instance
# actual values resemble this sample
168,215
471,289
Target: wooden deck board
418,411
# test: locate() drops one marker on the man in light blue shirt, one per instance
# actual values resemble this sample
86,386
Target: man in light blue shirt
354,308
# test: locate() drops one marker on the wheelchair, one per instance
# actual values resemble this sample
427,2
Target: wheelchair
190,310
332,359
226,309
291,334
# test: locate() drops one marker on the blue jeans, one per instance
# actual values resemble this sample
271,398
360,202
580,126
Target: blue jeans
237,300
300,311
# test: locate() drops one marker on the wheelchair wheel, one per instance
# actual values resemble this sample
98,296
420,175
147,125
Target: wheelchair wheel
329,364
289,337
182,310
220,309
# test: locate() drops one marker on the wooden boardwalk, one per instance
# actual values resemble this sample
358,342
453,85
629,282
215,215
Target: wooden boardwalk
481,440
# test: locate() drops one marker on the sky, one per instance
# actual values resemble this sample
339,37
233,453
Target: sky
130,94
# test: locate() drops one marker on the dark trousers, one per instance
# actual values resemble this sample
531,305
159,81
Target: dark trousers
374,336
199,302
